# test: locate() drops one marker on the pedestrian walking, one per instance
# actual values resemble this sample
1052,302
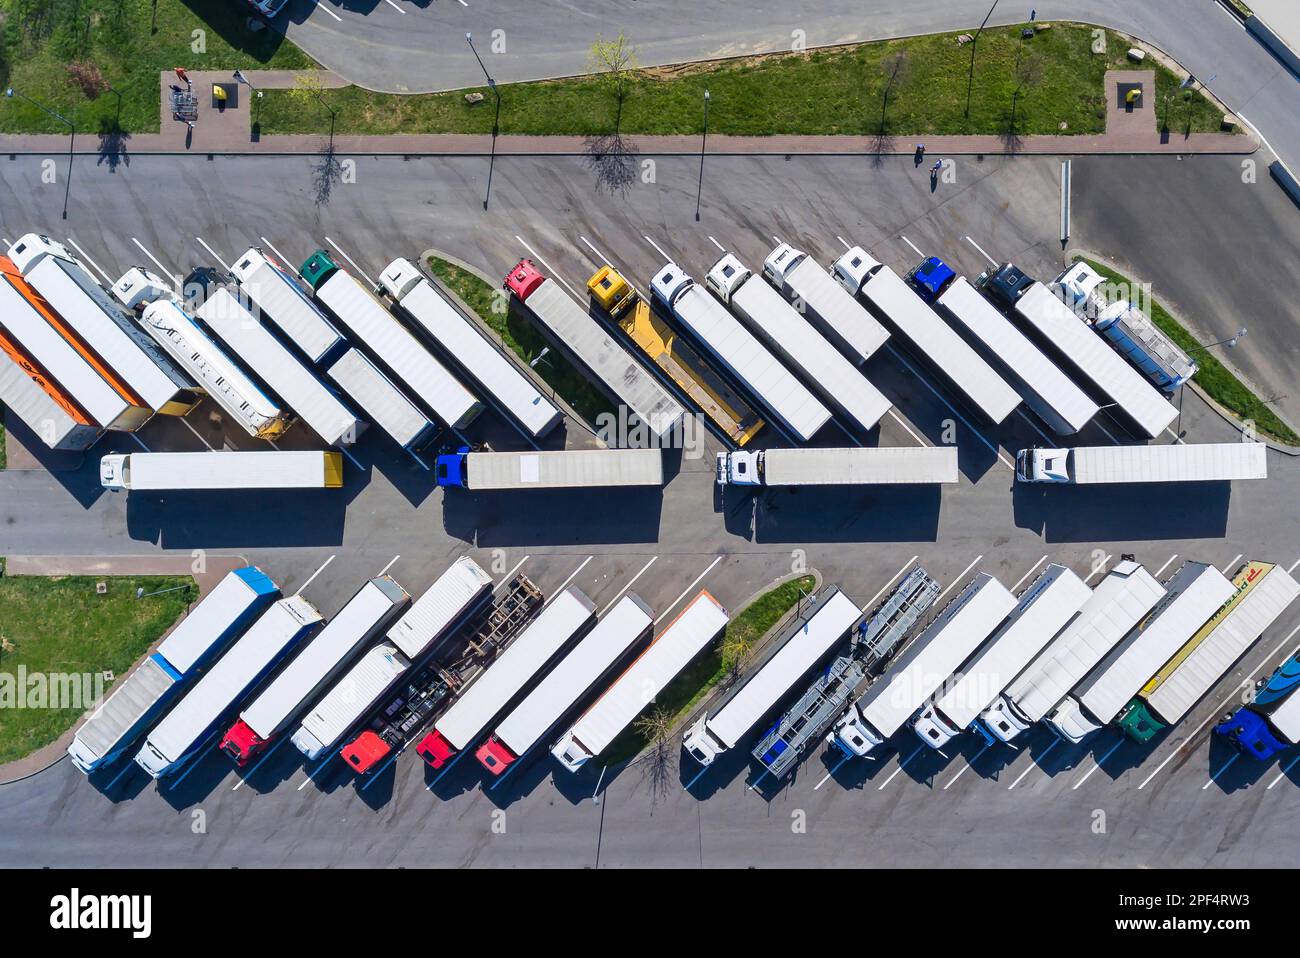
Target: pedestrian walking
938,165
920,154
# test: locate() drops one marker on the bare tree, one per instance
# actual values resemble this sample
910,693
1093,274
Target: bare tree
660,761
613,63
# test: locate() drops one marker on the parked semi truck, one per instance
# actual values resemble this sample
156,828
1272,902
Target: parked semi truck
865,465
802,645
1126,328
1043,610
227,469
740,353
580,337
1119,602
272,363
1262,593
674,356
56,348
550,469
494,372
1051,394
574,677
1175,462
1192,595
1271,722
161,315
320,662
828,306
883,291
694,629
357,308
188,727
218,619
384,404
566,617
74,293
271,288
1059,330
923,666
790,336
41,404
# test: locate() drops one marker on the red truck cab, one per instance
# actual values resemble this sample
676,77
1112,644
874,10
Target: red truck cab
241,743
365,752
435,750
523,279
494,756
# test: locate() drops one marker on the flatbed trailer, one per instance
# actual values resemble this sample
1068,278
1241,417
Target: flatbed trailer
271,287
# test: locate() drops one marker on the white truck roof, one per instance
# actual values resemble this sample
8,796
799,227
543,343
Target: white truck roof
821,631
1042,611
527,655
360,620
62,362
48,419
565,468
934,655
1263,591
223,685
686,636
1193,594
1120,600
443,605
121,715
1092,356
1049,392
605,357
350,698
230,469
840,317
398,349
812,466
575,674
385,405
740,352
1173,462
272,288
938,342
268,358
456,334
214,618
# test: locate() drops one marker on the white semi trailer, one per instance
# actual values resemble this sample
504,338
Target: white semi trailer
59,424
826,304
1174,462
923,666
225,469
1119,602
1043,610
270,287
793,338
383,403
740,352
550,469
864,465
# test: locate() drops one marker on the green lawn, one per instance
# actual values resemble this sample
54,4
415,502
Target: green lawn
743,631
1226,389
519,333
825,92
61,625
131,41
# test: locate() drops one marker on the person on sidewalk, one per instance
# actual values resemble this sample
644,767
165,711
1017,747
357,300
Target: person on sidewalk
920,154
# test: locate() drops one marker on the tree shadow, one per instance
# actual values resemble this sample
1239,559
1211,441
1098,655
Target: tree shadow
326,171
113,145
612,158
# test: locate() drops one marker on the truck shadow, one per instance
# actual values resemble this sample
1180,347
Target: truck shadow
1128,513
1233,771
77,472
847,514
533,517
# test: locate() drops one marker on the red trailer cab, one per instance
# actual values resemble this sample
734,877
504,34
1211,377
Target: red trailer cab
494,756
241,743
365,752
523,279
435,750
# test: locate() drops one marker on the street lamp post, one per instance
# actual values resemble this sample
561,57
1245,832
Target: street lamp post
72,138
970,80
257,99
704,139
496,119
1231,343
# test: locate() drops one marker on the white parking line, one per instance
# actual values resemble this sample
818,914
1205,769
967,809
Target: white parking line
390,564
186,423
1100,762
1101,568
549,269
321,6
311,776
990,259
1106,431
174,277
960,575
130,764
1046,438
915,249
193,765
1166,565
717,244
1225,569
312,577
565,584
1282,774
966,767
1293,565
279,254
602,258
870,602
901,766
518,565
656,246
204,244
252,771
73,244
1029,573
1223,768
897,419
351,260
395,7
664,614
1034,763
827,777
623,591
139,440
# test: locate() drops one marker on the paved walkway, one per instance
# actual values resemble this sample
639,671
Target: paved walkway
228,129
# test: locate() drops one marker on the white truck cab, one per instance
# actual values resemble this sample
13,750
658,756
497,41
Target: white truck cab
726,276
1002,722
1068,721
1043,465
669,283
933,728
854,268
701,743
138,287
854,735
740,468
779,262
115,472
1078,289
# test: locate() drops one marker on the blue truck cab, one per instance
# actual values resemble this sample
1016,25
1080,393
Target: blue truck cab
1250,728
930,278
449,468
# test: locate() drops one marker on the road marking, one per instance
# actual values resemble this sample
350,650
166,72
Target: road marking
253,771
1106,431
204,244
351,458
129,765
390,565
901,765
1033,763
1225,569
602,258
193,765
186,423
1245,683
1282,774
321,6
352,261
174,277
898,420
873,599
715,243
844,242
403,13
1293,565
1226,765
283,260
139,440
511,574
960,575
913,245
990,259
311,776
1101,761
656,246
827,777
549,269
86,257
374,776
1101,568
438,778
1177,438
664,614
311,577
653,560
1029,573
1046,438
565,583
1166,565
975,758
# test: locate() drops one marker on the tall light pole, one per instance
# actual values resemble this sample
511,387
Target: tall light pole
257,96
496,120
970,80
1231,343
704,139
72,138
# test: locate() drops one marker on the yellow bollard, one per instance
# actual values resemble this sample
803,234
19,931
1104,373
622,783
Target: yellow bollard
218,92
